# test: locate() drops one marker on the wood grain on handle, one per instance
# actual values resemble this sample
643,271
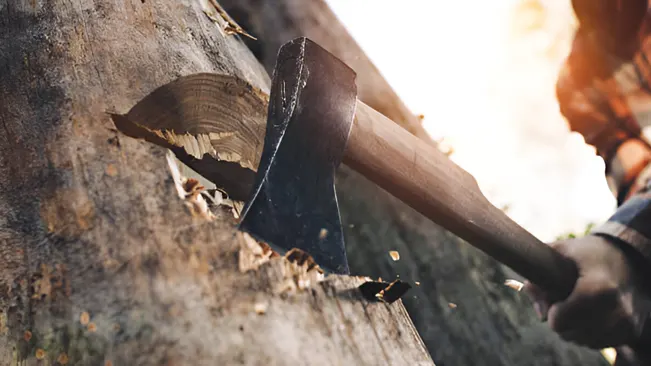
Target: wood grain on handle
428,181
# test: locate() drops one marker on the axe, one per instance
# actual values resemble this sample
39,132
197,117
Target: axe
315,122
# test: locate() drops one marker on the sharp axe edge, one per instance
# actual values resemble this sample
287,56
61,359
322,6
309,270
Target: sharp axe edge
311,108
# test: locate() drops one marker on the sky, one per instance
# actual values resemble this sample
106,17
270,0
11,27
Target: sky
483,74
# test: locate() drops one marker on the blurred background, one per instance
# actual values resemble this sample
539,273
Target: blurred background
482,73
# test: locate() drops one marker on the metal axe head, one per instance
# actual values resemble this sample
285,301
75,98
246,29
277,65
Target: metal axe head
293,203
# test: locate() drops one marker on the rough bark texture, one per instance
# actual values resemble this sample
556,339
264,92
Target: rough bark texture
101,263
491,324
276,22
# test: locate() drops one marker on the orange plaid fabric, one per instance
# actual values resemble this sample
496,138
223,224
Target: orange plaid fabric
605,95
607,99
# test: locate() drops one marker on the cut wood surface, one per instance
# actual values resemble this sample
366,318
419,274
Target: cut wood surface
105,260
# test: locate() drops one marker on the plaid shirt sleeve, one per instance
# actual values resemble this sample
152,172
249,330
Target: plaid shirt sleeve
609,103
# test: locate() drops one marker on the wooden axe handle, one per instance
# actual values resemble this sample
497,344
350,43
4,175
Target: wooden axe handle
428,181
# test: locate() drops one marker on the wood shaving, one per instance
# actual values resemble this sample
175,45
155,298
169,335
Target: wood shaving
516,285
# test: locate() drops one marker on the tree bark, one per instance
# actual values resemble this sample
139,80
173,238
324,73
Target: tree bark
462,310
102,261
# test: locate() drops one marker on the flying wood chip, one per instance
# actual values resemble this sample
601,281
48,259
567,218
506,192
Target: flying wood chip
384,291
394,255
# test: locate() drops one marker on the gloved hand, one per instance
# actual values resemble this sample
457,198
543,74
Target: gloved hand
608,306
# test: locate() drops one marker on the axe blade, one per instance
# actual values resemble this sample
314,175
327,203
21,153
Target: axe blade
311,108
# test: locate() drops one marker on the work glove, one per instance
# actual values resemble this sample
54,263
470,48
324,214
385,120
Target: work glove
609,305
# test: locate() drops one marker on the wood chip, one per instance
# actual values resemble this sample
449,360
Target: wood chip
394,255
84,318
323,234
610,354
383,291
39,354
516,285
62,359
417,283
452,305
260,308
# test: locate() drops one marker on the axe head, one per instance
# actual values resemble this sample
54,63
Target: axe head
293,203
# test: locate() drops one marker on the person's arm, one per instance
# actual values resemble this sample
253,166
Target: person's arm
614,259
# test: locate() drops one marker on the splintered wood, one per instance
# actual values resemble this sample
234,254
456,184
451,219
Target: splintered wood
212,8
217,133
252,254
189,190
298,270
516,285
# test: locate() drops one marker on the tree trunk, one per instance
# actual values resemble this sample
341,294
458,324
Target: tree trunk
462,310
102,261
